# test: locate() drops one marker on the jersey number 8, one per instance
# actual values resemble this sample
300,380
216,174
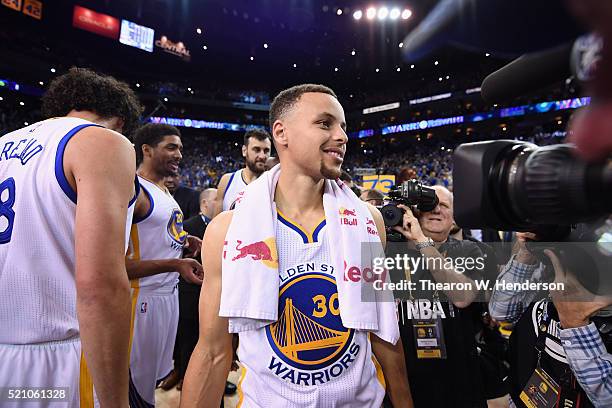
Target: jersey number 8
6,209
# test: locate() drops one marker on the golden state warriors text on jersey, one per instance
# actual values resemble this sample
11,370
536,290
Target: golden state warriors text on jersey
310,344
307,357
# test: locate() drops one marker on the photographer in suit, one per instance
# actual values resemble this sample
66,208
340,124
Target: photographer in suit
438,327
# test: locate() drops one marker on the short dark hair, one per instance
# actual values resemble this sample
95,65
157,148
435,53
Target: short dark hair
83,89
151,134
258,134
374,195
285,100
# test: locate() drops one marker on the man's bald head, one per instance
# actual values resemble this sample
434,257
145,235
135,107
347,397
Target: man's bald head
444,192
438,222
207,201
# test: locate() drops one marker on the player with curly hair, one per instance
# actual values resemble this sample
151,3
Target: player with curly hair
67,188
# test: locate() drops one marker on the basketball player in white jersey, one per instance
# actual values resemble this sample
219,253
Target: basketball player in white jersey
255,150
155,261
309,133
66,201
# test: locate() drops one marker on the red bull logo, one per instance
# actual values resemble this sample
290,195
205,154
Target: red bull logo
347,213
264,251
347,217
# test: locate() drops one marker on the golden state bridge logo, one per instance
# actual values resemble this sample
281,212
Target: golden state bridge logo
175,227
308,338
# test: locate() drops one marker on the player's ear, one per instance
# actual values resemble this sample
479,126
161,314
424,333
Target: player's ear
147,150
279,134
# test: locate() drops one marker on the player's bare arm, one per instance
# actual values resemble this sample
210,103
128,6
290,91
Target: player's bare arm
103,292
212,357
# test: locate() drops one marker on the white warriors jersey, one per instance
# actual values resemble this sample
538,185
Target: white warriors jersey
307,358
37,217
157,235
235,186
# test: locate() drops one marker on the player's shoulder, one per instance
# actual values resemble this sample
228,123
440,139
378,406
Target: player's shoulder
224,180
93,137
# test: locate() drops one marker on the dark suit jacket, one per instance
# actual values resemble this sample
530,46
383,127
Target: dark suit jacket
189,201
195,226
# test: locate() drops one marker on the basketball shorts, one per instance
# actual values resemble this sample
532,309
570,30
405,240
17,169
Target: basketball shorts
41,375
155,314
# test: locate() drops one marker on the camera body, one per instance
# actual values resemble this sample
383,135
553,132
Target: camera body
409,193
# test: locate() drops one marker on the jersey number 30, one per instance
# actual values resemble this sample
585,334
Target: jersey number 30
6,209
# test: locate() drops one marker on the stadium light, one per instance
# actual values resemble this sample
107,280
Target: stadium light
377,70
294,65
412,66
406,14
21,103
395,13
1,98
165,99
383,12
358,14
205,48
336,69
252,58
401,44
265,45
436,63
137,85
41,83
398,69
487,55
199,31
371,13
339,12
53,70
353,52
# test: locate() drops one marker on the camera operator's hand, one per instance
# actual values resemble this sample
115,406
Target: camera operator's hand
411,229
523,255
574,304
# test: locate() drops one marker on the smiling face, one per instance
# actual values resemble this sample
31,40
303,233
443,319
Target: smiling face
312,135
439,221
165,156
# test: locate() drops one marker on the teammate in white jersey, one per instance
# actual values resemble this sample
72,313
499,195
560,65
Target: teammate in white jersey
309,133
66,201
155,260
255,150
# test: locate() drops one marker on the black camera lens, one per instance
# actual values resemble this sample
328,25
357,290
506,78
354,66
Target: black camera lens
392,215
512,186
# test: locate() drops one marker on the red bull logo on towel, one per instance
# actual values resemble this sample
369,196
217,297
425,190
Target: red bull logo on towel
348,216
371,226
264,251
